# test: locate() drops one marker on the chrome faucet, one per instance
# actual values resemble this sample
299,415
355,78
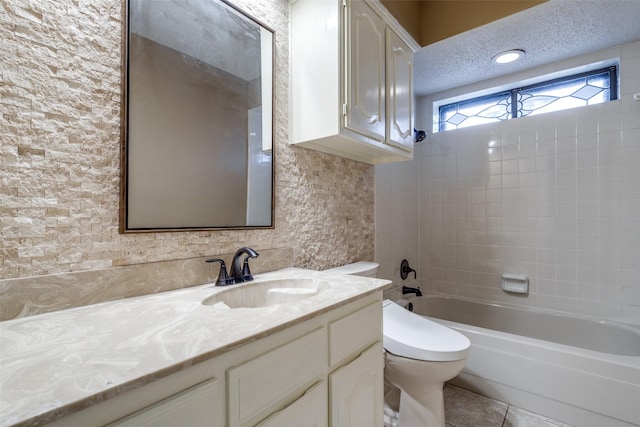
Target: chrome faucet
242,274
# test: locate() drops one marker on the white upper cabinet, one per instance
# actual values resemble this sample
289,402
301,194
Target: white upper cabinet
350,89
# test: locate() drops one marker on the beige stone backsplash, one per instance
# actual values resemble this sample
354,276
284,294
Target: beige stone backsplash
41,294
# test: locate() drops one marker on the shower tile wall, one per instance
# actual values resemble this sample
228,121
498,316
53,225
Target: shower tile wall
396,217
555,197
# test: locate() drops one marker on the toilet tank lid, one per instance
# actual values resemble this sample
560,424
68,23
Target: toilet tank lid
360,268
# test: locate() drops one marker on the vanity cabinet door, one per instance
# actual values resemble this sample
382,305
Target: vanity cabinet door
264,384
399,93
310,410
365,71
356,391
194,407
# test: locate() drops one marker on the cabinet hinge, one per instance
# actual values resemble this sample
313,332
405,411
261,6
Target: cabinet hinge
344,3
344,109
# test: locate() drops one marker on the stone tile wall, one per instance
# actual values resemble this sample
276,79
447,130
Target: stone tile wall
60,95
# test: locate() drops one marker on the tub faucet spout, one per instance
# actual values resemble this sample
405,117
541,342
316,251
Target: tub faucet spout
409,290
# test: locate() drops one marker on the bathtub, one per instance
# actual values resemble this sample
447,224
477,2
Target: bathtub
574,369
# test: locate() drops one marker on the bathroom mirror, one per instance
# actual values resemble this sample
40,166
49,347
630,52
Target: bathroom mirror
197,132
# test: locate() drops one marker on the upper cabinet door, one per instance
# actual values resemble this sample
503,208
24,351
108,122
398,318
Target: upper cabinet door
399,92
365,62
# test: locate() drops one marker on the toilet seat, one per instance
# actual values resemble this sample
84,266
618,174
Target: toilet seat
407,334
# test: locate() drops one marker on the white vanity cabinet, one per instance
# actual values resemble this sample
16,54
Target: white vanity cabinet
324,371
351,73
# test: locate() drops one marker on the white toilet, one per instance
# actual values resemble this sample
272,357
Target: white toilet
420,356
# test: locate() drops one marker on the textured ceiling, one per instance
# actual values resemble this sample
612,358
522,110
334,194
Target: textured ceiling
549,32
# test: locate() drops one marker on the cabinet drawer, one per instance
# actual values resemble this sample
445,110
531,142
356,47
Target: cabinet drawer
355,332
192,407
308,411
255,387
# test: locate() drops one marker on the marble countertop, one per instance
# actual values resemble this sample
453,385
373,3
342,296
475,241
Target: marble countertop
58,363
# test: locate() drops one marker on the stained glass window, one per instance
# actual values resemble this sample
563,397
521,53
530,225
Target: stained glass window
487,109
578,90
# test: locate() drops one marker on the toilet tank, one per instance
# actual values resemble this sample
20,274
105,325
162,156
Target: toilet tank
360,268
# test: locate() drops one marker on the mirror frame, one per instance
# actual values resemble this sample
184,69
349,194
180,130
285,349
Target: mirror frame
124,126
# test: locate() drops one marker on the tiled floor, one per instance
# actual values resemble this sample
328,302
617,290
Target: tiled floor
464,408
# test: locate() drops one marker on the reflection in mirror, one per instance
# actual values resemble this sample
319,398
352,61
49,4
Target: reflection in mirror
197,138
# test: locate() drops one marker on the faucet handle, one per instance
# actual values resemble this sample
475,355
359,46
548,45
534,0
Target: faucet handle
405,270
223,277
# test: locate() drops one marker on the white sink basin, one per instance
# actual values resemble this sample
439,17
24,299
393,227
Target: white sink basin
269,292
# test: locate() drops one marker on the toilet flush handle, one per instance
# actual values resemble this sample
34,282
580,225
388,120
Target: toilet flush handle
405,270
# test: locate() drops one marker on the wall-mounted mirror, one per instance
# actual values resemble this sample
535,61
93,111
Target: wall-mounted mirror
197,132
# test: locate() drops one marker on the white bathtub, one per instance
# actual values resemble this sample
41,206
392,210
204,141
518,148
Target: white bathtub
574,369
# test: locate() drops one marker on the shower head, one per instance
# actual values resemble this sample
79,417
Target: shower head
419,135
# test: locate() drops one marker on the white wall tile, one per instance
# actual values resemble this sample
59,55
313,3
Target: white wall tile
559,198
587,121
610,116
566,123
556,196
631,108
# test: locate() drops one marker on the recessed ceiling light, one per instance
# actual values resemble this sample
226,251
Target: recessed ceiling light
508,56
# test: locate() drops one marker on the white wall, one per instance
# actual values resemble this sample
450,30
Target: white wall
555,197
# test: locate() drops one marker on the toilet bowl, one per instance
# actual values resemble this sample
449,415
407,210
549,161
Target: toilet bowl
420,356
